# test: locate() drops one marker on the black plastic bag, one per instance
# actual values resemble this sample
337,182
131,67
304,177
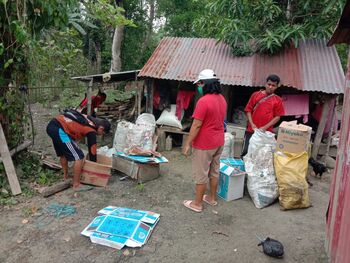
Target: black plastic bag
272,247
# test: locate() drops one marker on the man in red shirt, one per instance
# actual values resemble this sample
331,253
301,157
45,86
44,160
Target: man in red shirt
65,131
264,109
95,102
207,139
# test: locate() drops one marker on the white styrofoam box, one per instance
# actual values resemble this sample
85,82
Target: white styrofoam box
231,182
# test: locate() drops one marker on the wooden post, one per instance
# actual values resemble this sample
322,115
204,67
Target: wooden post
334,118
9,168
88,94
149,99
321,126
139,95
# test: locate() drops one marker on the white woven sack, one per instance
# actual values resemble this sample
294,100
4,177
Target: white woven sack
169,118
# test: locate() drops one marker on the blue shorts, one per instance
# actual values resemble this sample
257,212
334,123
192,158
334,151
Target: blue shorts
63,144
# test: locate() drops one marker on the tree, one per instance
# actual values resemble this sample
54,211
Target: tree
250,26
180,16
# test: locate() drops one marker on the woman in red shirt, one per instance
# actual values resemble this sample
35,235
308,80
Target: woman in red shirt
207,139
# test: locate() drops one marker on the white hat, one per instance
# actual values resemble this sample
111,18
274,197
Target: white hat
206,74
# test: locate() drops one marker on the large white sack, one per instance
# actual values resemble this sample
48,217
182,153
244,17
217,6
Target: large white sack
262,184
147,118
169,118
120,142
143,131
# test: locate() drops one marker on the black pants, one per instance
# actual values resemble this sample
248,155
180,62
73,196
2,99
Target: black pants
247,136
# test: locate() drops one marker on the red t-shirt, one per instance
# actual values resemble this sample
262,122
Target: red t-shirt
95,102
265,111
211,110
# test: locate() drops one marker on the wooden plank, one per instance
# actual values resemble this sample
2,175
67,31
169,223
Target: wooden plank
9,168
171,130
161,140
19,148
321,127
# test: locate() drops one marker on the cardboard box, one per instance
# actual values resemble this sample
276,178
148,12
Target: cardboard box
142,172
231,180
97,173
235,163
293,137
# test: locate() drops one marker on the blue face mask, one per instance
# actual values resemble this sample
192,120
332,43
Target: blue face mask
200,90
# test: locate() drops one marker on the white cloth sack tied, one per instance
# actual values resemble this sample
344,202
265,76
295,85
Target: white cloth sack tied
169,118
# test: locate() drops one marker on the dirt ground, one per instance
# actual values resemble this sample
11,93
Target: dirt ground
180,236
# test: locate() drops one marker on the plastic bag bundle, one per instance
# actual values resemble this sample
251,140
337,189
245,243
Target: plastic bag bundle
228,151
120,141
291,171
262,185
272,247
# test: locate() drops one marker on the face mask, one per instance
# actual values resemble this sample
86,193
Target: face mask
200,90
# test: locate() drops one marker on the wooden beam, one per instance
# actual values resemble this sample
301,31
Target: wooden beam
321,126
19,148
53,189
9,168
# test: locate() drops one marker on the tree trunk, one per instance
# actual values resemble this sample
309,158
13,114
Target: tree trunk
97,47
149,28
116,62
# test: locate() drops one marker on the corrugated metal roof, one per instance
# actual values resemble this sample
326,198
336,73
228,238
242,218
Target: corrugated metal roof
311,67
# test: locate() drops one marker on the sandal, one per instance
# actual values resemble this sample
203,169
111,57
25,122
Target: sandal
188,203
205,199
83,188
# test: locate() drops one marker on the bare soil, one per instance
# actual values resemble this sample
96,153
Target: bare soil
226,233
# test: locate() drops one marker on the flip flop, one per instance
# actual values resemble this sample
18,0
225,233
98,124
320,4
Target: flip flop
188,203
209,203
84,188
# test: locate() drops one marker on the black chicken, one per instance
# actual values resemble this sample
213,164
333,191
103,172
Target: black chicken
318,167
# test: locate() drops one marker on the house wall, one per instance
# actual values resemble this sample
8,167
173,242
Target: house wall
338,223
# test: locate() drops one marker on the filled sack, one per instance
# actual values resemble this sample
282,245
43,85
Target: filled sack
291,171
169,118
261,184
119,141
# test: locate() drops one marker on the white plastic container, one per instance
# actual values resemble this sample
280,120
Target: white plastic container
168,143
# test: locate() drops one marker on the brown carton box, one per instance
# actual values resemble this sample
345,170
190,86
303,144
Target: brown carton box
97,173
142,172
293,137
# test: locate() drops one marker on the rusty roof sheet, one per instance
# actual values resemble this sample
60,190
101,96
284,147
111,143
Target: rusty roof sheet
311,67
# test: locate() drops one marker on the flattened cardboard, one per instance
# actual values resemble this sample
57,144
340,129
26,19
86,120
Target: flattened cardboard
117,227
